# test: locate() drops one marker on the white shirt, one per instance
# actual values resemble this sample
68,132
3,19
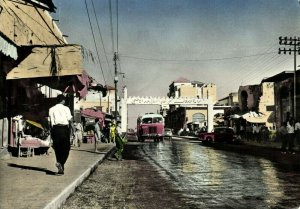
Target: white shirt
290,128
60,115
297,126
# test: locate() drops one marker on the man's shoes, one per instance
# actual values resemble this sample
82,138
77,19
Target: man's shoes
60,169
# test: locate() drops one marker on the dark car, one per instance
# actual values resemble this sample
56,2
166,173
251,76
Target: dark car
219,134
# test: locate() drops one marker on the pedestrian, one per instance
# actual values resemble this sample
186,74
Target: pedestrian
112,132
78,134
120,142
291,136
98,133
60,123
242,132
283,135
297,133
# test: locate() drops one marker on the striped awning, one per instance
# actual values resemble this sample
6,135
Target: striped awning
8,49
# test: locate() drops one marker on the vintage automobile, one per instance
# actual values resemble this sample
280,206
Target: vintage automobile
168,133
219,134
150,126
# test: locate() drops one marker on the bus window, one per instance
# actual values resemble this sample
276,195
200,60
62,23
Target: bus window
157,120
147,120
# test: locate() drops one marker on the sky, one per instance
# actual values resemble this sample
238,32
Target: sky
229,43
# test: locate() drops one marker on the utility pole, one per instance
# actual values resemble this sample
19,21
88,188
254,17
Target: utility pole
293,47
116,86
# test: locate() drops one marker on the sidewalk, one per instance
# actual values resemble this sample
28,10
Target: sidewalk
31,183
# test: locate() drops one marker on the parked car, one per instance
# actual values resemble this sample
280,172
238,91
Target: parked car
219,134
168,133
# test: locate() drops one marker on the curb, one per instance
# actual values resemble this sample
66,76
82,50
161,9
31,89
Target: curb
62,197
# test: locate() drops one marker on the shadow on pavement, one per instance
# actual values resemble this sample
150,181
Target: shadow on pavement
32,168
89,151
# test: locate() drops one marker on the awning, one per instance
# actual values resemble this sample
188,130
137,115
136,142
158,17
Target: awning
253,117
91,113
36,124
59,67
49,61
8,49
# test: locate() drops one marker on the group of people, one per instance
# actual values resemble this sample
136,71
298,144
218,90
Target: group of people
113,135
62,127
289,133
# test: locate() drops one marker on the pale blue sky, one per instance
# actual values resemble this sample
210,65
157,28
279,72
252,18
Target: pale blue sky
204,40
200,30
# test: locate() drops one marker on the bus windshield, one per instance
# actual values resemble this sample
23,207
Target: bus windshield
152,120
147,120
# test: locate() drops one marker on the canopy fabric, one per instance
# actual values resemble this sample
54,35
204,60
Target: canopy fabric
49,61
8,49
253,117
80,85
235,116
91,113
35,124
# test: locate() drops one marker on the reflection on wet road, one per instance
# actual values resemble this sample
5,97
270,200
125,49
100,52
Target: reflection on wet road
211,178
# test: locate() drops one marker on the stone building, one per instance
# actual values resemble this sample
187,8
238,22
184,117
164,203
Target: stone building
189,116
230,100
35,58
284,96
105,103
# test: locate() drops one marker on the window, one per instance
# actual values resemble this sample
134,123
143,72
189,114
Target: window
198,117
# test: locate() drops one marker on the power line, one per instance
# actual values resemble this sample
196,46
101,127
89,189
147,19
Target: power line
117,5
111,27
87,10
98,25
194,60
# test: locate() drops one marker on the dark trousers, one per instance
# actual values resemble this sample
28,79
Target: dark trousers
284,142
291,141
61,143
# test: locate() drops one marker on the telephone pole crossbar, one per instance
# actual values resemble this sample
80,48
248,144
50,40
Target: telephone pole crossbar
293,46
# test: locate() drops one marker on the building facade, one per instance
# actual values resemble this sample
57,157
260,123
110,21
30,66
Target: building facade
191,116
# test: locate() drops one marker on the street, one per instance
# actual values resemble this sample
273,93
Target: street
184,174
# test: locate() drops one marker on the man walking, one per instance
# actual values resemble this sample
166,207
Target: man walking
60,121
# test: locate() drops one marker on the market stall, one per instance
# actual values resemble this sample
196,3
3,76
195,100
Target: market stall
29,137
90,115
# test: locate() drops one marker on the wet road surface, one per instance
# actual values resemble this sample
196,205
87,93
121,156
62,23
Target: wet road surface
184,174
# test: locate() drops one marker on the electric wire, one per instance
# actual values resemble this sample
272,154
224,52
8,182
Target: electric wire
51,31
111,27
48,28
88,14
24,24
117,9
194,60
101,38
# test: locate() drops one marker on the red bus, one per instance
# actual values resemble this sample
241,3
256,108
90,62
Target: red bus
150,126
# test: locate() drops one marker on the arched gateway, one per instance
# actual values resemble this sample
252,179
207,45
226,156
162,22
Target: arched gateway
164,102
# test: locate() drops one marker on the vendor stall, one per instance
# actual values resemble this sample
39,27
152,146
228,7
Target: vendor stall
89,115
29,137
